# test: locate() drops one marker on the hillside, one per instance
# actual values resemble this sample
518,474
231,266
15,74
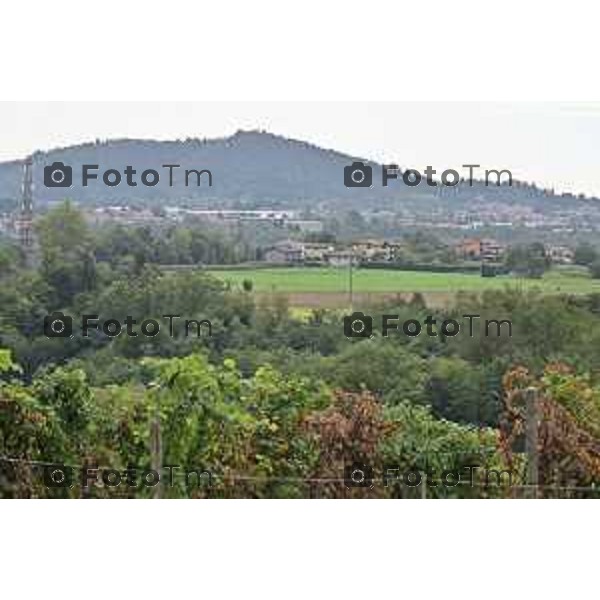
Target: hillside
250,169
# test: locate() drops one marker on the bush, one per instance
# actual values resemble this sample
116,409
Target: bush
595,269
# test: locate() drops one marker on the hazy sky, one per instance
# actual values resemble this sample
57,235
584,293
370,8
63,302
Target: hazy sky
553,144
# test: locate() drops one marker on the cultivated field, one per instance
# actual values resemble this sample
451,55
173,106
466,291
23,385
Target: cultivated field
329,287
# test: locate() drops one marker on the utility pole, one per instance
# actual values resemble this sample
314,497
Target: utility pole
531,441
156,447
156,454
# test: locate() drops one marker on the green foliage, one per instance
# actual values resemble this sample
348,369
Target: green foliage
66,391
6,363
68,262
128,249
585,254
10,259
578,394
273,399
422,442
391,371
594,267
528,261
237,426
456,390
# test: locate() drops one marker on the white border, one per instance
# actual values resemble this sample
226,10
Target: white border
273,50
298,549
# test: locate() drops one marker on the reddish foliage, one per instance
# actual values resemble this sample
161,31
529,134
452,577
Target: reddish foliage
349,432
568,453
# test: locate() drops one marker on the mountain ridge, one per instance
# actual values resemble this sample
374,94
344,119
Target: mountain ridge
248,167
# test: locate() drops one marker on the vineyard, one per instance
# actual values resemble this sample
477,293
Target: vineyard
273,436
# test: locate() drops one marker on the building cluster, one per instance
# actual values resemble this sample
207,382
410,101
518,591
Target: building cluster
480,215
283,218
290,251
561,255
124,215
489,250
131,215
484,249
487,214
293,252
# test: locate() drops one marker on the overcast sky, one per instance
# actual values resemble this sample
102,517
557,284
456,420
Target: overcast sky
553,144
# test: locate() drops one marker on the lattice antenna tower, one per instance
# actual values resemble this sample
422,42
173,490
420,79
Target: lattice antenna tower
26,208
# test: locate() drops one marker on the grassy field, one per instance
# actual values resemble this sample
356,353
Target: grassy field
307,288
374,281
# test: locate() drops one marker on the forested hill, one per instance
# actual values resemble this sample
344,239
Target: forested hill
249,169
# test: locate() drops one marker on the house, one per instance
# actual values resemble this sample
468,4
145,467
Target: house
367,249
229,215
286,252
469,249
315,252
341,258
560,255
375,250
491,250
481,249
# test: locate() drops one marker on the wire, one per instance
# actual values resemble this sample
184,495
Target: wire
320,480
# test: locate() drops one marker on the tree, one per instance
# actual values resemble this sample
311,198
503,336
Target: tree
10,259
456,391
389,370
594,268
585,254
528,260
68,262
320,237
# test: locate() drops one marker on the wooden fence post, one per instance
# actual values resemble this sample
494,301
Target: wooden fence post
531,441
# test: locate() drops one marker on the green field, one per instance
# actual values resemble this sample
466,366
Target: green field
336,280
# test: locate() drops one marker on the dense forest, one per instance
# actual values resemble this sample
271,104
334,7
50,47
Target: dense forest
273,404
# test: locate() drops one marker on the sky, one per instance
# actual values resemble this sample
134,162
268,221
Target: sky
553,144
